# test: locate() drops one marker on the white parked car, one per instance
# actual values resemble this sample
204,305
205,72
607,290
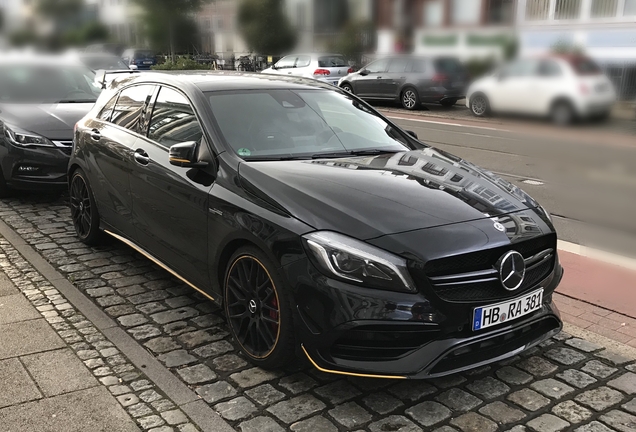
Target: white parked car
564,88
323,67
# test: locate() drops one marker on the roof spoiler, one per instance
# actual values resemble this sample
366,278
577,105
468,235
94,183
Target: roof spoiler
100,76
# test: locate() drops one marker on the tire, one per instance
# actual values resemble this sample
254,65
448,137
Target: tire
479,105
5,192
562,113
347,88
410,99
258,309
84,210
448,102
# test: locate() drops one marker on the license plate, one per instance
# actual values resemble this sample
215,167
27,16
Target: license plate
487,316
148,62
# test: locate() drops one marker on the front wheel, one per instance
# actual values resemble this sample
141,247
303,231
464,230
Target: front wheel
83,209
479,105
562,113
410,99
347,88
258,310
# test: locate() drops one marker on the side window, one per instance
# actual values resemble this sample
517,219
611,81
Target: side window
286,62
398,65
173,120
303,61
417,65
377,66
107,111
130,105
549,68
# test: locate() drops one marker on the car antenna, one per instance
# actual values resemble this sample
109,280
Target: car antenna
100,76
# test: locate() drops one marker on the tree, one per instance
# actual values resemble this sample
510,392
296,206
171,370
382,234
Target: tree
168,23
265,27
355,39
59,10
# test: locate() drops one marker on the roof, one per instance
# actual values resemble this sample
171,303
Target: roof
228,80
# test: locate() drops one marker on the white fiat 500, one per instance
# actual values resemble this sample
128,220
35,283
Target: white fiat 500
563,88
328,68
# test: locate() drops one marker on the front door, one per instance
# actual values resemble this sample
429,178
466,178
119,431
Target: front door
170,203
370,84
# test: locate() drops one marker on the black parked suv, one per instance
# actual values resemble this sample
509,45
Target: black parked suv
41,99
411,80
320,227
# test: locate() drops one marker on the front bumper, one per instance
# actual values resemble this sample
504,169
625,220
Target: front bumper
345,329
34,168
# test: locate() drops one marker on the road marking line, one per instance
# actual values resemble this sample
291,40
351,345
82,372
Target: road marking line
596,254
447,123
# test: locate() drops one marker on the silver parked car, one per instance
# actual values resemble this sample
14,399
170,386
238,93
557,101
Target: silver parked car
323,67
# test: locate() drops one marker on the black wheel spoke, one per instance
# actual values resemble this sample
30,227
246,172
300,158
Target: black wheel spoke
252,306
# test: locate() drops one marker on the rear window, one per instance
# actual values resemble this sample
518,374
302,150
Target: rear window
584,66
448,65
332,61
144,54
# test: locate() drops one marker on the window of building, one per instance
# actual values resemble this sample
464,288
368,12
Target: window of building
537,10
466,11
434,13
500,11
567,9
630,8
173,120
604,8
207,24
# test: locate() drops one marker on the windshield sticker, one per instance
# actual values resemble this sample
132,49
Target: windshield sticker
244,152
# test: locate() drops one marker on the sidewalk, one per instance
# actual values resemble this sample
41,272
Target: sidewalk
43,385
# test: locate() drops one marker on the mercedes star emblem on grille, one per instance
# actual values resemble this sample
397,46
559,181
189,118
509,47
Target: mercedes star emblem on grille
512,270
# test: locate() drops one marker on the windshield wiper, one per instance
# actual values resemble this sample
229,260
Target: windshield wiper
273,158
373,152
76,101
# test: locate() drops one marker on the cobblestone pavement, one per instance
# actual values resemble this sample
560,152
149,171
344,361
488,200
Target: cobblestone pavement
566,384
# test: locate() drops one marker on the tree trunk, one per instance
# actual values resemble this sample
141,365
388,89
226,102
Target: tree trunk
171,37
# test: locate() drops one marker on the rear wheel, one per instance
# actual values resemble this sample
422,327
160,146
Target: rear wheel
448,102
562,113
347,88
410,99
258,309
83,209
479,105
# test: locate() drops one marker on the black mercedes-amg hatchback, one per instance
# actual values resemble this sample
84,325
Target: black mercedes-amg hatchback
321,227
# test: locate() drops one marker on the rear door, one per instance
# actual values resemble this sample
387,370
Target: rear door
395,77
113,136
170,203
370,85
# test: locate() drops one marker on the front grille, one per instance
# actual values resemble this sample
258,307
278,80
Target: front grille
381,342
492,348
65,147
473,277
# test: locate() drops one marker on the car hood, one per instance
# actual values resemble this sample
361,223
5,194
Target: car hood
368,197
53,121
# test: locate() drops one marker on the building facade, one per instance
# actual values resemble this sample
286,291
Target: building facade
122,19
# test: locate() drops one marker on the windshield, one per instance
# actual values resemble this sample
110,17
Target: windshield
271,124
332,61
47,84
141,54
105,63
585,66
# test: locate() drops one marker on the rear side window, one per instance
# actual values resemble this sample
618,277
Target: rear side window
398,65
106,112
173,120
585,66
286,62
332,61
549,68
448,65
303,61
417,65
130,105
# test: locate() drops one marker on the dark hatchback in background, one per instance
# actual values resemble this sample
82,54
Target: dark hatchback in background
41,99
321,227
411,80
141,58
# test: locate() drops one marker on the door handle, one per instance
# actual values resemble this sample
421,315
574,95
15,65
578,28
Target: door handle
96,135
142,157
378,77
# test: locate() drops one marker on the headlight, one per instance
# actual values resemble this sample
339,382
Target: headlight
22,138
353,260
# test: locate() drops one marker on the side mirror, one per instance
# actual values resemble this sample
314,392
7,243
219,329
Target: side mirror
133,67
364,72
184,155
413,134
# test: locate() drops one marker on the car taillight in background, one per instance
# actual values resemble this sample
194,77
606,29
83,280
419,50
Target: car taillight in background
322,72
439,78
350,70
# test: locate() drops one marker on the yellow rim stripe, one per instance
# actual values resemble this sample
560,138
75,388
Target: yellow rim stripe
349,373
159,263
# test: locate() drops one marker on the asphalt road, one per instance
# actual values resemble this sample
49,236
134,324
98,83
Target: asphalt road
586,176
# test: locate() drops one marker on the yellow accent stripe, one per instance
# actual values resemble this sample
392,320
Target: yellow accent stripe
349,373
179,160
159,263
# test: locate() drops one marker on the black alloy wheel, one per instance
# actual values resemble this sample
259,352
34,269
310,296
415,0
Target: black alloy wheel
410,99
83,209
347,88
256,310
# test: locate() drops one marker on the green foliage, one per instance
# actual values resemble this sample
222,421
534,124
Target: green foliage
182,64
59,9
89,33
265,27
564,47
510,48
356,39
2,18
477,67
23,37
